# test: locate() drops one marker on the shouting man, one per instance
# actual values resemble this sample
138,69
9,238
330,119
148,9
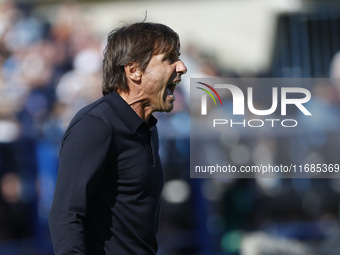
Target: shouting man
107,197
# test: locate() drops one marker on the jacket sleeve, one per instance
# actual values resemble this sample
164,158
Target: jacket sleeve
81,168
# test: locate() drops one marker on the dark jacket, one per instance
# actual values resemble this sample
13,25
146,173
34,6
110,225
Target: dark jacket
107,196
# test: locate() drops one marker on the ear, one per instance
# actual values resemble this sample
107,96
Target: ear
133,72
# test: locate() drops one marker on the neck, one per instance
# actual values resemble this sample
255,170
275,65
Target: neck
139,104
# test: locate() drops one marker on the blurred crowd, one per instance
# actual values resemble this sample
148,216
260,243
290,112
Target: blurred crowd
49,70
47,73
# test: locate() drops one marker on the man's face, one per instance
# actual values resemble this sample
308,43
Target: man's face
160,79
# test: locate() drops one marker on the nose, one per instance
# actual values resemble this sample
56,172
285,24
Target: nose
180,67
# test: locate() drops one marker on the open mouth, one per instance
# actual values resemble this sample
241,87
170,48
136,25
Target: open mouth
171,88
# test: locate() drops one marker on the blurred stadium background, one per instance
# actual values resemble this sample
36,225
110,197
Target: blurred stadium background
50,60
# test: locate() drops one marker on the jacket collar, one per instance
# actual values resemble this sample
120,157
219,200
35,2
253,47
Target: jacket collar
126,113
